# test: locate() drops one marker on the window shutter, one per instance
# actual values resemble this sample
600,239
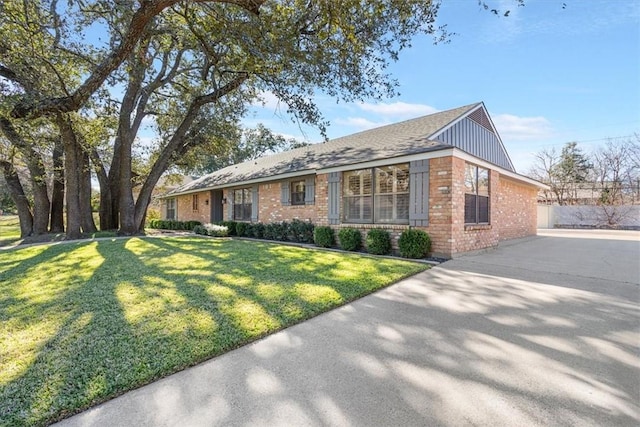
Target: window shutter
334,198
254,203
419,193
310,190
230,204
285,193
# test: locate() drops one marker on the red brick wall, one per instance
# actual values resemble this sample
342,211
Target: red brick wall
270,209
441,203
184,207
512,210
516,215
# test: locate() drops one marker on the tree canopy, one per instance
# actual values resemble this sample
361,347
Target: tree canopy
190,69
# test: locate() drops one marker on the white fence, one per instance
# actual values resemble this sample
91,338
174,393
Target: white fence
625,217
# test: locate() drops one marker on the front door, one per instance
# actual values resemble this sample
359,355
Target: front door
217,211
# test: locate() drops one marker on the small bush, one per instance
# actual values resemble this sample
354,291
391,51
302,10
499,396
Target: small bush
216,230
256,230
378,242
350,239
231,226
153,214
323,236
276,231
300,231
170,224
241,229
414,243
189,225
199,229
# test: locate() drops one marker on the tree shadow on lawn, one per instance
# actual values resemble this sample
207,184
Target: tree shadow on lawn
456,348
145,309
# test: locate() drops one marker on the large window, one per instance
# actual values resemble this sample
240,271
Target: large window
476,197
297,192
378,195
242,204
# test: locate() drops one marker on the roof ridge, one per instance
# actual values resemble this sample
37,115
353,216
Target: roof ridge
391,140
408,120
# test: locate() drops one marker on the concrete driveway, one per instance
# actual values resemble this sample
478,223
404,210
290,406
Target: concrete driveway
541,332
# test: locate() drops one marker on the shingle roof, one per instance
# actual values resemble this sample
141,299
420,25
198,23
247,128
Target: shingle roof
394,140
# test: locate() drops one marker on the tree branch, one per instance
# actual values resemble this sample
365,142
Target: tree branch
146,12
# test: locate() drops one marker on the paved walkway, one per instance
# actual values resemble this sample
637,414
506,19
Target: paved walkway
541,332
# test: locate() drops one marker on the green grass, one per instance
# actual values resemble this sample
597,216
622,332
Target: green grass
83,322
9,230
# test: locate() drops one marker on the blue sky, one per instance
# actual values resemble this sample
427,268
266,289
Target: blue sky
547,75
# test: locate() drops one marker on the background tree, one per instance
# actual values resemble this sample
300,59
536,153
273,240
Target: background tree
617,171
189,67
562,171
248,144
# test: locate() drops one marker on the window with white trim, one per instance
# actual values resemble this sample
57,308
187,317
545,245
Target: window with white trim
377,195
242,201
297,192
171,208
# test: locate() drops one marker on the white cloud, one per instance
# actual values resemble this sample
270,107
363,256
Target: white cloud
268,100
397,109
515,128
359,123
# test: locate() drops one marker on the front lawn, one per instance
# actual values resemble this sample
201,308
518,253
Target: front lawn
9,230
83,322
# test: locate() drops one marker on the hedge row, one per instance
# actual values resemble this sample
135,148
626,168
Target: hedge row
295,231
413,243
170,224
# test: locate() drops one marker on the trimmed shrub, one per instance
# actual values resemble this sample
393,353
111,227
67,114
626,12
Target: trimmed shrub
350,239
241,229
189,225
256,230
323,236
414,243
199,229
276,231
378,242
170,224
231,226
300,231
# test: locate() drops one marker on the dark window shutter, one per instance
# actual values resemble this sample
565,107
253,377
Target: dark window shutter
254,203
419,193
285,193
310,190
230,204
334,198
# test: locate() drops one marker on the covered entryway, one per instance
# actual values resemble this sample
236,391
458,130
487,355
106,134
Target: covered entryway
217,209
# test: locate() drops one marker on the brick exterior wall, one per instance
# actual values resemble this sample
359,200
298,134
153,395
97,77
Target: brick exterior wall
516,215
441,205
185,211
512,209
270,209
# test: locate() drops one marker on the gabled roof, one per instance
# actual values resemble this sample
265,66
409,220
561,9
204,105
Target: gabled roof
409,137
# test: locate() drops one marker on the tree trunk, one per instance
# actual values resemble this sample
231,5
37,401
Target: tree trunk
127,206
19,198
35,164
57,194
105,210
84,177
72,180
